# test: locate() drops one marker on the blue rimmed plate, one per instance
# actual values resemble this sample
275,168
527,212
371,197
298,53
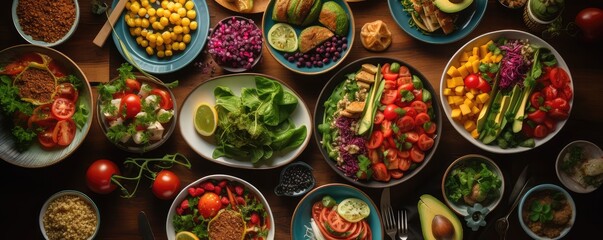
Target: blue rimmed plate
300,224
153,64
466,22
267,23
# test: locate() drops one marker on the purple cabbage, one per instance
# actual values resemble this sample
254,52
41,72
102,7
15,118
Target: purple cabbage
513,66
348,137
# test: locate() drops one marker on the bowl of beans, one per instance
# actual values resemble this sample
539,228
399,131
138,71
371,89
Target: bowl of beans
69,214
296,180
45,23
235,44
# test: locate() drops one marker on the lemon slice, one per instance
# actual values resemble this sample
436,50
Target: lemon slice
282,37
353,209
186,235
206,119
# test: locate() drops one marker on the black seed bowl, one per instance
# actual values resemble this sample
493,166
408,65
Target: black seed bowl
296,180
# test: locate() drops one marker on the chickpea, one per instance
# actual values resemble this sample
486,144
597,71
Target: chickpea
182,1
151,12
170,6
144,32
189,5
144,43
177,29
144,3
137,22
174,18
191,14
164,21
185,21
181,12
159,40
149,50
128,4
175,46
168,53
130,22
161,48
142,12
164,4
152,19
179,38
152,38
182,46
138,40
137,31
159,12
153,1
186,29
160,54
173,36
134,7
186,38
193,25
145,23
166,35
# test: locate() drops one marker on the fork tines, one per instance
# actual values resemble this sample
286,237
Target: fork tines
402,224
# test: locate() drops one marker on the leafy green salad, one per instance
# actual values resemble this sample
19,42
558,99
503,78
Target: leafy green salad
472,183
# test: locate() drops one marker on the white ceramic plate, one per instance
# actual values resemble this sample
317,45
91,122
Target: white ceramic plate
169,226
483,39
590,150
205,146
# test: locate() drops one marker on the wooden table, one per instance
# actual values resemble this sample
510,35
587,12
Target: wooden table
25,190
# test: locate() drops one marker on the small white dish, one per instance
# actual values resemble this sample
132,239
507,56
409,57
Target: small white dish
63,193
590,150
30,39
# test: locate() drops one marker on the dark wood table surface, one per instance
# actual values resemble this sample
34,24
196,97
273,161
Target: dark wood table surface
25,190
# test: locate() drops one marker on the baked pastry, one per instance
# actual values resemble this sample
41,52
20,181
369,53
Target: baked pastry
313,36
375,36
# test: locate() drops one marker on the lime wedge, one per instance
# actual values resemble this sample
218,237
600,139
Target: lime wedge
282,37
186,235
353,209
206,119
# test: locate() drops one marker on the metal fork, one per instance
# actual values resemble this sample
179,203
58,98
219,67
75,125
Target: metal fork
389,222
402,225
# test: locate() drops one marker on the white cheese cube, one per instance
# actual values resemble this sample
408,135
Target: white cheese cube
144,90
138,137
152,100
115,103
156,130
164,116
125,138
118,121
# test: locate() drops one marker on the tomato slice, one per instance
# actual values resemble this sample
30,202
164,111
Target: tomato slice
416,155
63,108
559,77
412,137
380,172
42,117
376,140
45,138
419,106
537,116
430,127
558,114
133,85
13,68
373,155
425,142
389,96
389,84
316,209
483,86
337,223
536,99
64,132
396,173
410,111
550,92
422,118
402,80
566,93
386,128
378,117
166,100
418,93
67,90
540,131
404,164
405,123
392,158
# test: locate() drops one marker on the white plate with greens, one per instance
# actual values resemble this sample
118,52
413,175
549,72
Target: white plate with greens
206,146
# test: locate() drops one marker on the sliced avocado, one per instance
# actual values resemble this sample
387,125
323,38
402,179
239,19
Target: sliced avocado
292,16
314,12
368,115
313,36
279,12
334,18
449,6
431,208
505,102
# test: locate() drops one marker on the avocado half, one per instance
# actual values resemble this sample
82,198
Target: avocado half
334,18
448,6
430,207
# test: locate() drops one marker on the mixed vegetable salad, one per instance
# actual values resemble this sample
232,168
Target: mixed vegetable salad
508,92
343,220
136,111
41,101
378,123
212,197
472,183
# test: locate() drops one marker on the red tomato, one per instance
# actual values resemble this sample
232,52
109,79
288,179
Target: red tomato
537,116
378,117
42,117
430,127
98,176
390,76
337,223
386,128
64,132
590,22
418,93
209,205
32,57
540,131
396,173
425,142
527,130
316,209
166,185
550,124
380,172
404,164
559,77
63,108
558,114
419,106
483,85
392,158
406,86
45,138
391,111
471,81
166,100
389,96
536,99
14,68
376,140
559,103
373,155
385,69
404,80
390,84
405,123
67,90
132,105
550,92
566,93
56,69
404,154
412,137
416,155
410,111
133,85
391,142
421,118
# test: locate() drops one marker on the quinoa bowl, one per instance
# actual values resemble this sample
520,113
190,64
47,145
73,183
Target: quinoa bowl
64,15
69,214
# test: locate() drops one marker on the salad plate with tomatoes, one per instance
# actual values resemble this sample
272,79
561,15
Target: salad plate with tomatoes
377,123
45,106
336,211
507,91
136,112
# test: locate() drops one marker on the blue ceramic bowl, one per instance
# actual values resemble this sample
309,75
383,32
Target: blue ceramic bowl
543,187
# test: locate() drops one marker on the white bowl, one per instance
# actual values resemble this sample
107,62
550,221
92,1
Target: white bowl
542,187
590,150
29,38
82,196
480,40
169,227
461,208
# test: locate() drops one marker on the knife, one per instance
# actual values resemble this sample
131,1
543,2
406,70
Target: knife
519,184
385,199
144,227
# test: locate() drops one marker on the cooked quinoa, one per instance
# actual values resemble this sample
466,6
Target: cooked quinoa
69,217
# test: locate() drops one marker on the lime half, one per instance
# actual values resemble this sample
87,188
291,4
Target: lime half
282,37
206,119
353,209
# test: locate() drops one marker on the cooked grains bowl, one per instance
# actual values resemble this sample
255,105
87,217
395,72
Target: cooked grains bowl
69,215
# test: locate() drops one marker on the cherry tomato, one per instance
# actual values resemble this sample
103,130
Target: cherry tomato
404,164
536,99
133,85
64,132
390,76
209,205
550,124
392,158
391,111
416,155
404,80
412,137
527,130
418,93
98,176
378,117
471,81
425,142
132,105
430,127
374,156
386,128
483,85
166,100
389,84
389,96
45,138
559,77
405,123
550,92
540,131
410,111
14,68
63,108
166,185
590,21
537,116
42,117
421,118
559,103
316,209
396,173
419,106
404,154
380,172
566,93
68,91
376,140
558,114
